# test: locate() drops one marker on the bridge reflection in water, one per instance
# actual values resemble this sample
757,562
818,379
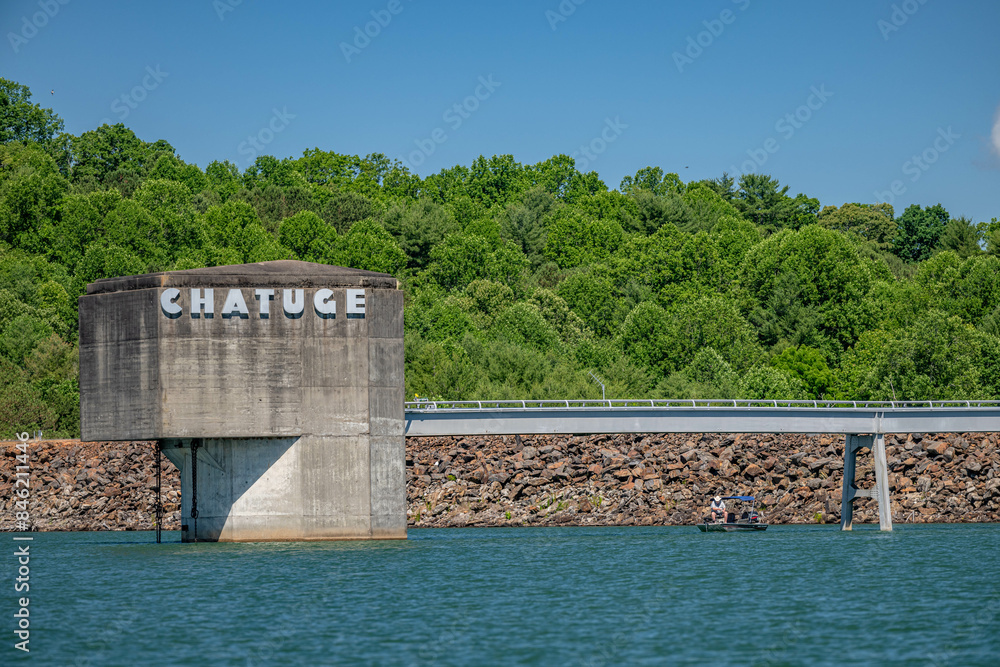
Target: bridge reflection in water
864,424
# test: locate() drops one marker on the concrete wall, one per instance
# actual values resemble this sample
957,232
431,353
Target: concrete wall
298,416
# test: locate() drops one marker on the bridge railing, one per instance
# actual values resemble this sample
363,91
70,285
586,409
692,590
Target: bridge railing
550,404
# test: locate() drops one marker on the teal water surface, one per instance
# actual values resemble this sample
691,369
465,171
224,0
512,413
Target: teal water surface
921,595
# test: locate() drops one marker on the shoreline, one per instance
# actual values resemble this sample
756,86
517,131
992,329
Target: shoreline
598,480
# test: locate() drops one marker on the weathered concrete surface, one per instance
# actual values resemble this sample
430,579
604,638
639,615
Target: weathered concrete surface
298,416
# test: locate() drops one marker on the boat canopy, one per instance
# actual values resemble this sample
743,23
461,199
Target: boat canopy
748,499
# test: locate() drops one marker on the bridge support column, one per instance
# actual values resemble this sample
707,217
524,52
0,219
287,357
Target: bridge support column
876,443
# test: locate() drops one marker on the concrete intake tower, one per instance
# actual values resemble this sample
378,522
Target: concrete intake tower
275,388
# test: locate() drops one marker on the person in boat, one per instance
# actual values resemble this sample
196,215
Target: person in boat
718,508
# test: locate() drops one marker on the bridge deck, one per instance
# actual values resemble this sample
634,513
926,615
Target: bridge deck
447,418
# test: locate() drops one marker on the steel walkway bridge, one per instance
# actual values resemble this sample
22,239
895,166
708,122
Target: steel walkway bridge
864,424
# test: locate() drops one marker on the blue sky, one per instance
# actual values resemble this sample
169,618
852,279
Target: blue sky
844,101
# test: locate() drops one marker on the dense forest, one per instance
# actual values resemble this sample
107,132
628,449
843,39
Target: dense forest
519,279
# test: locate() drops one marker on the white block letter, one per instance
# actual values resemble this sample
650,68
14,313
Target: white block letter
235,305
264,296
356,304
294,302
324,304
168,297
202,303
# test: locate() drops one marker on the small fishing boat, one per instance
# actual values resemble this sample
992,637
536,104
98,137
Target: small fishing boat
747,519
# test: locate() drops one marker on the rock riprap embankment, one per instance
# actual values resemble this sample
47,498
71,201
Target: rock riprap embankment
599,480
77,485
608,480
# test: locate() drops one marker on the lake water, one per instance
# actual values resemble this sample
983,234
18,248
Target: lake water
921,595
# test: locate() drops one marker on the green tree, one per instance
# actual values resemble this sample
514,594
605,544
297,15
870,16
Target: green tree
714,375
555,176
268,170
653,261
654,211
171,168
706,205
523,221
131,226
701,263
523,324
53,371
488,299
21,335
343,208
235,227
79,222
441,317
169,202
558,177
328,168
710,321
968,288
419,226
592,296
724,186
734,237
918,231
611,205
274,203
645,338
990,233
808,365
960,235
574,239
21,404
813,279
112,155
309,238
765,382
873,222
787,316
653,180
108,261
461,258
567,324
937,357
20,120
223,178
447,185
497,180
763,201
30,189
370,247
